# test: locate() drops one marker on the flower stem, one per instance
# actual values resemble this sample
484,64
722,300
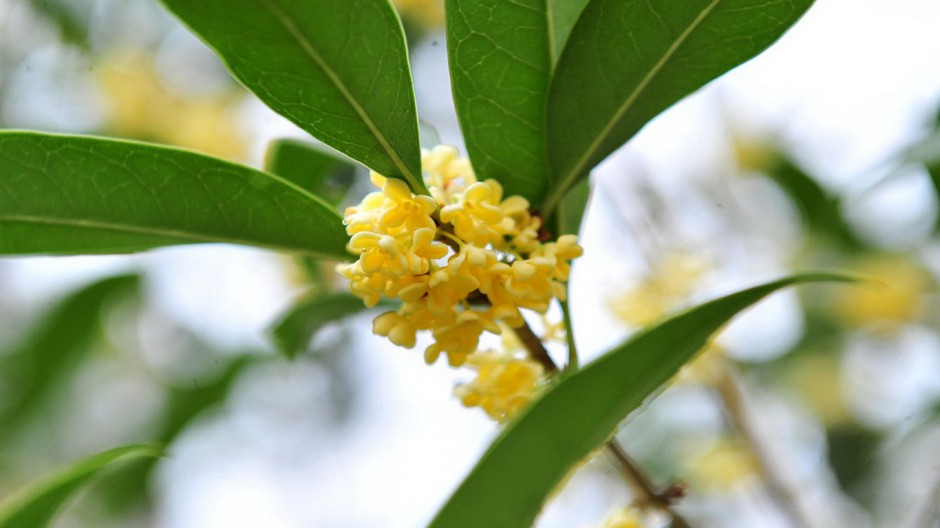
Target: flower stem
569,336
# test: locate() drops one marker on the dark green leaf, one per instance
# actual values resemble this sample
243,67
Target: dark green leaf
297,327
625,62
37,505
311,168
853,454
337,68
500,64
55,347
71,194
580,412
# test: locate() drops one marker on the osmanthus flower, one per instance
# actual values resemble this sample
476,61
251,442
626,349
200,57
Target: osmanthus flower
464,260
505,383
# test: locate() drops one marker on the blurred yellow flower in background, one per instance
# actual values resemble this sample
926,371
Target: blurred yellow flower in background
897,298
428,13
818,381
142,106
721,465
665,288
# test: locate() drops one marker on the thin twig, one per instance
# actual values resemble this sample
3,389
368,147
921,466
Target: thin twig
534,345
643,489
731,391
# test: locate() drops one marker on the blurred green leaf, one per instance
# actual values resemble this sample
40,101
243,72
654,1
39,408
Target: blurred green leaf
821,211
37,505
127,486
71,194
500,66
72,25
625,62
294,330
853,452
579,412
310,168
337,68
55,347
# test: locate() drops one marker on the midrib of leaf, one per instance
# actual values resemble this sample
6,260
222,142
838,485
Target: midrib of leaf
550,21
416,183
559,191
124,228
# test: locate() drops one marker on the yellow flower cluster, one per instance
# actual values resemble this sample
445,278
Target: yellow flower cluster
462,260
504,384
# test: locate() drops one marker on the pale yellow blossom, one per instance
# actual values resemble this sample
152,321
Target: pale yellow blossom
505,383
462,261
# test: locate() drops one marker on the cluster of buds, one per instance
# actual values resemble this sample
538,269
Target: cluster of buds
463,260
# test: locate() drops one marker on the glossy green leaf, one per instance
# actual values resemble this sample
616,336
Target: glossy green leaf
37,505
71,194
294,330
500,65
311,168
337,68
54,348
625,62
579,412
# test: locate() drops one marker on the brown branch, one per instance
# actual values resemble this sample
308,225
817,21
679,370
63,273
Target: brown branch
643,489
534,345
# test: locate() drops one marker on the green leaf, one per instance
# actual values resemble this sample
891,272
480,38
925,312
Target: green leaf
72,25
579,412
573,207
72,194
37,505
294,330
563,15
184,404
500,64
625,62
821,211
337,68
52,350
310,168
